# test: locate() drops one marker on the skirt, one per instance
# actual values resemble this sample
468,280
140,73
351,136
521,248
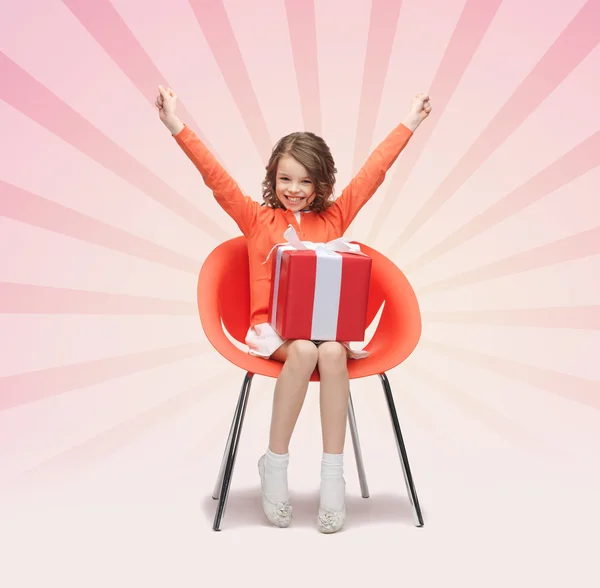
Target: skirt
263,341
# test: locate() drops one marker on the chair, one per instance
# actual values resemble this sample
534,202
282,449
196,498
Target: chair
224,302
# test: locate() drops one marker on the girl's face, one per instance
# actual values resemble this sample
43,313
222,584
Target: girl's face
294,187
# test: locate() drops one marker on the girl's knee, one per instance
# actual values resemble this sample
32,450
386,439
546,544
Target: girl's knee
304,353
332,356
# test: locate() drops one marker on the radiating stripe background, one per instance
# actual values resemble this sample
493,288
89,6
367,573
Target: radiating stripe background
493,212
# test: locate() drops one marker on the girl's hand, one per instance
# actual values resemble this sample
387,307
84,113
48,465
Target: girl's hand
419,111
166,102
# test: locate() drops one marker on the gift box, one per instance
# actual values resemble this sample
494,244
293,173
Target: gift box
319,291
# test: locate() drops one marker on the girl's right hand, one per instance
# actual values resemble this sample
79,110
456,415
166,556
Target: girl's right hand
166,102
419,111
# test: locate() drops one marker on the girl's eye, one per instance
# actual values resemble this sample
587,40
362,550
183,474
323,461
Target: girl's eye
284,179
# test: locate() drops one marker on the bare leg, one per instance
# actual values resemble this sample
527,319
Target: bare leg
335,391
335,387
300,360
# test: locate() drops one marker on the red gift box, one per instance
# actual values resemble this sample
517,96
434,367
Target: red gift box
319,291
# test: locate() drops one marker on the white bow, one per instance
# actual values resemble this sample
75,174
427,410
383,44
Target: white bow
340,245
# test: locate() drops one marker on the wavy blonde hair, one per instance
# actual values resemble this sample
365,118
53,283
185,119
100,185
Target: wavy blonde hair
314,154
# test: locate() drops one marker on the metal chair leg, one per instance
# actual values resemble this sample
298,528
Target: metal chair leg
410,486
217,491
231,451
360,466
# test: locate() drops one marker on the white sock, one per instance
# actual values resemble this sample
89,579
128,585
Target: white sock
333,487
275,480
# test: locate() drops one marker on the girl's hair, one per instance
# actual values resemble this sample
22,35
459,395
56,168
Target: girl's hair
314,154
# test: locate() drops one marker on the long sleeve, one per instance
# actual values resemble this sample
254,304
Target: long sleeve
369,177
242,209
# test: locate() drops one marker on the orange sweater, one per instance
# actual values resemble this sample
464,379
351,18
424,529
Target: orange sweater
263,227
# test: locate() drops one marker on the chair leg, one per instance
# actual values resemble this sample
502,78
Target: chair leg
217,491
226,471
410,486
360,466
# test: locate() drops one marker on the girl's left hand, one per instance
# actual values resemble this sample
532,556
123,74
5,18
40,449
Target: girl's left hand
166,102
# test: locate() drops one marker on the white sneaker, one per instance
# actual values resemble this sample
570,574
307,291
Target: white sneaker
278,514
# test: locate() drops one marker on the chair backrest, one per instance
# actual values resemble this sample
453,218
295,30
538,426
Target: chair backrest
234,289
224,287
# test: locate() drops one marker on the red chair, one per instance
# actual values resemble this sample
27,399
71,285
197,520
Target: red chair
224,301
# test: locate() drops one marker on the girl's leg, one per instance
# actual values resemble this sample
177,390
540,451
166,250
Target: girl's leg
335,387
300,359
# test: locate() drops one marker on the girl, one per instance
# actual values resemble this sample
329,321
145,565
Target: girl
297,190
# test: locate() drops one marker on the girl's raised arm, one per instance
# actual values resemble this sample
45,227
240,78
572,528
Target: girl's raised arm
373,172
227,193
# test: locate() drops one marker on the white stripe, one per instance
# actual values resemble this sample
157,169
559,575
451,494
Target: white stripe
277,262
328,285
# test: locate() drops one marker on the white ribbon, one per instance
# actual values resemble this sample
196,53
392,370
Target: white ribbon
292,241
327,282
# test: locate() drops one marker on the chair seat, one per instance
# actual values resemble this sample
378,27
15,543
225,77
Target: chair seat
372,365
224,303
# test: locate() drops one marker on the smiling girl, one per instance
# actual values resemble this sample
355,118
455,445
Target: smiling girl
298,191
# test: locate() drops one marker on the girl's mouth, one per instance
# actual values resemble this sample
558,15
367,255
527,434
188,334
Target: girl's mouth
294,199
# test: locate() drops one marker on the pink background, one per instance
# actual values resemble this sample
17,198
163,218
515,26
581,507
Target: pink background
114,409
